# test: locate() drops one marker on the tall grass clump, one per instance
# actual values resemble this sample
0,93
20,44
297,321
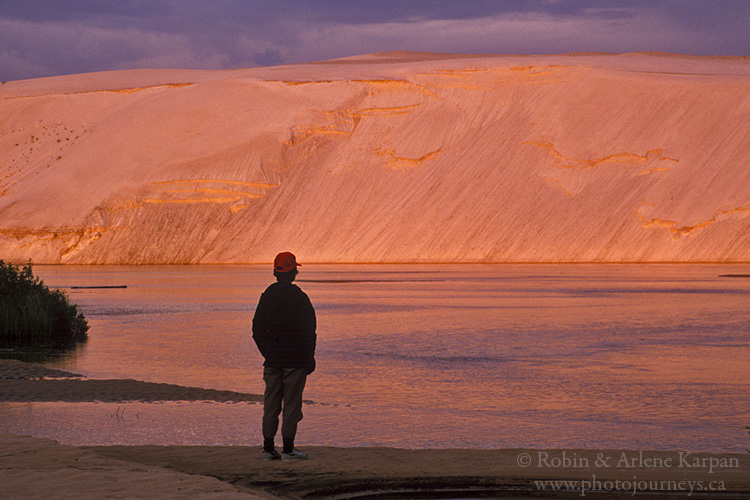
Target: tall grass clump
32,314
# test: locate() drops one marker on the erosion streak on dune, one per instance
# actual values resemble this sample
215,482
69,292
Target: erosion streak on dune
679,231
405,157
301,133
215,181
398,86
394,111
65,240
210,191
398,162
375,85
130,90
629,159
193,200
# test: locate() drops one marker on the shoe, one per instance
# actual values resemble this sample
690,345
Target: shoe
294,455
270,455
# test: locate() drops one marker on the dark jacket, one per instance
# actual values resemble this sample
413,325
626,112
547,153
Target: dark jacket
284,327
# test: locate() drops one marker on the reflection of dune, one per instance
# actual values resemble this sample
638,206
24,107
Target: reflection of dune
397,157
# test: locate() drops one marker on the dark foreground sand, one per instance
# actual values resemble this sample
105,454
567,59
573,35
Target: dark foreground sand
41,468
23,382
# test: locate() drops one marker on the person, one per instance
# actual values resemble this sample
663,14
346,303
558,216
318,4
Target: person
284,327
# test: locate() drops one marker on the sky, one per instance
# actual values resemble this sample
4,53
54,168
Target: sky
41,38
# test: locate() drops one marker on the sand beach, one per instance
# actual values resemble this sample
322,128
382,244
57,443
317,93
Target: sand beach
32,467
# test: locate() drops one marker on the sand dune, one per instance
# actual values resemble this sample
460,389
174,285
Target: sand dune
391,157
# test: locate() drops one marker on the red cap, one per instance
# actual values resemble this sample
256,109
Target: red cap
285,262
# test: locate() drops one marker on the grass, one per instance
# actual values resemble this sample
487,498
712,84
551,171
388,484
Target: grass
32,314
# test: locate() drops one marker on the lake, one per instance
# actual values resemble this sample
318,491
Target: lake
423,356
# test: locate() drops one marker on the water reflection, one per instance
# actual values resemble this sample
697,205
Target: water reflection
34,352
480,356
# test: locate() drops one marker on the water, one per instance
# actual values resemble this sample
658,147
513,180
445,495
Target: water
473,356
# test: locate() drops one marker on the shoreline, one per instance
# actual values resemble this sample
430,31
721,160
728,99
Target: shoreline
30,382
32,467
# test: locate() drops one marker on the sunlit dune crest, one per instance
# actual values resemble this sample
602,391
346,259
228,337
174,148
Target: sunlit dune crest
388,157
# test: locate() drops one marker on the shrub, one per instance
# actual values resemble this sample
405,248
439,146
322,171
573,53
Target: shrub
31,313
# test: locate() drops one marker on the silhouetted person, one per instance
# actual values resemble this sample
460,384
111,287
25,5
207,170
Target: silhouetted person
284,331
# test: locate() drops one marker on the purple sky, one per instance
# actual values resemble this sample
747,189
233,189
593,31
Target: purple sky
53,37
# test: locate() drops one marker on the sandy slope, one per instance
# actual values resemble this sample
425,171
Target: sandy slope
385,157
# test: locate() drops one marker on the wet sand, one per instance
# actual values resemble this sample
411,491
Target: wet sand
27,382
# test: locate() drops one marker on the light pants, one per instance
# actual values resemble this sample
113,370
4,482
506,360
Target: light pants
283,386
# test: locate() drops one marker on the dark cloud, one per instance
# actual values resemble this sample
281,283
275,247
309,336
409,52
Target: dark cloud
270,57
60,10
52,37
400,10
